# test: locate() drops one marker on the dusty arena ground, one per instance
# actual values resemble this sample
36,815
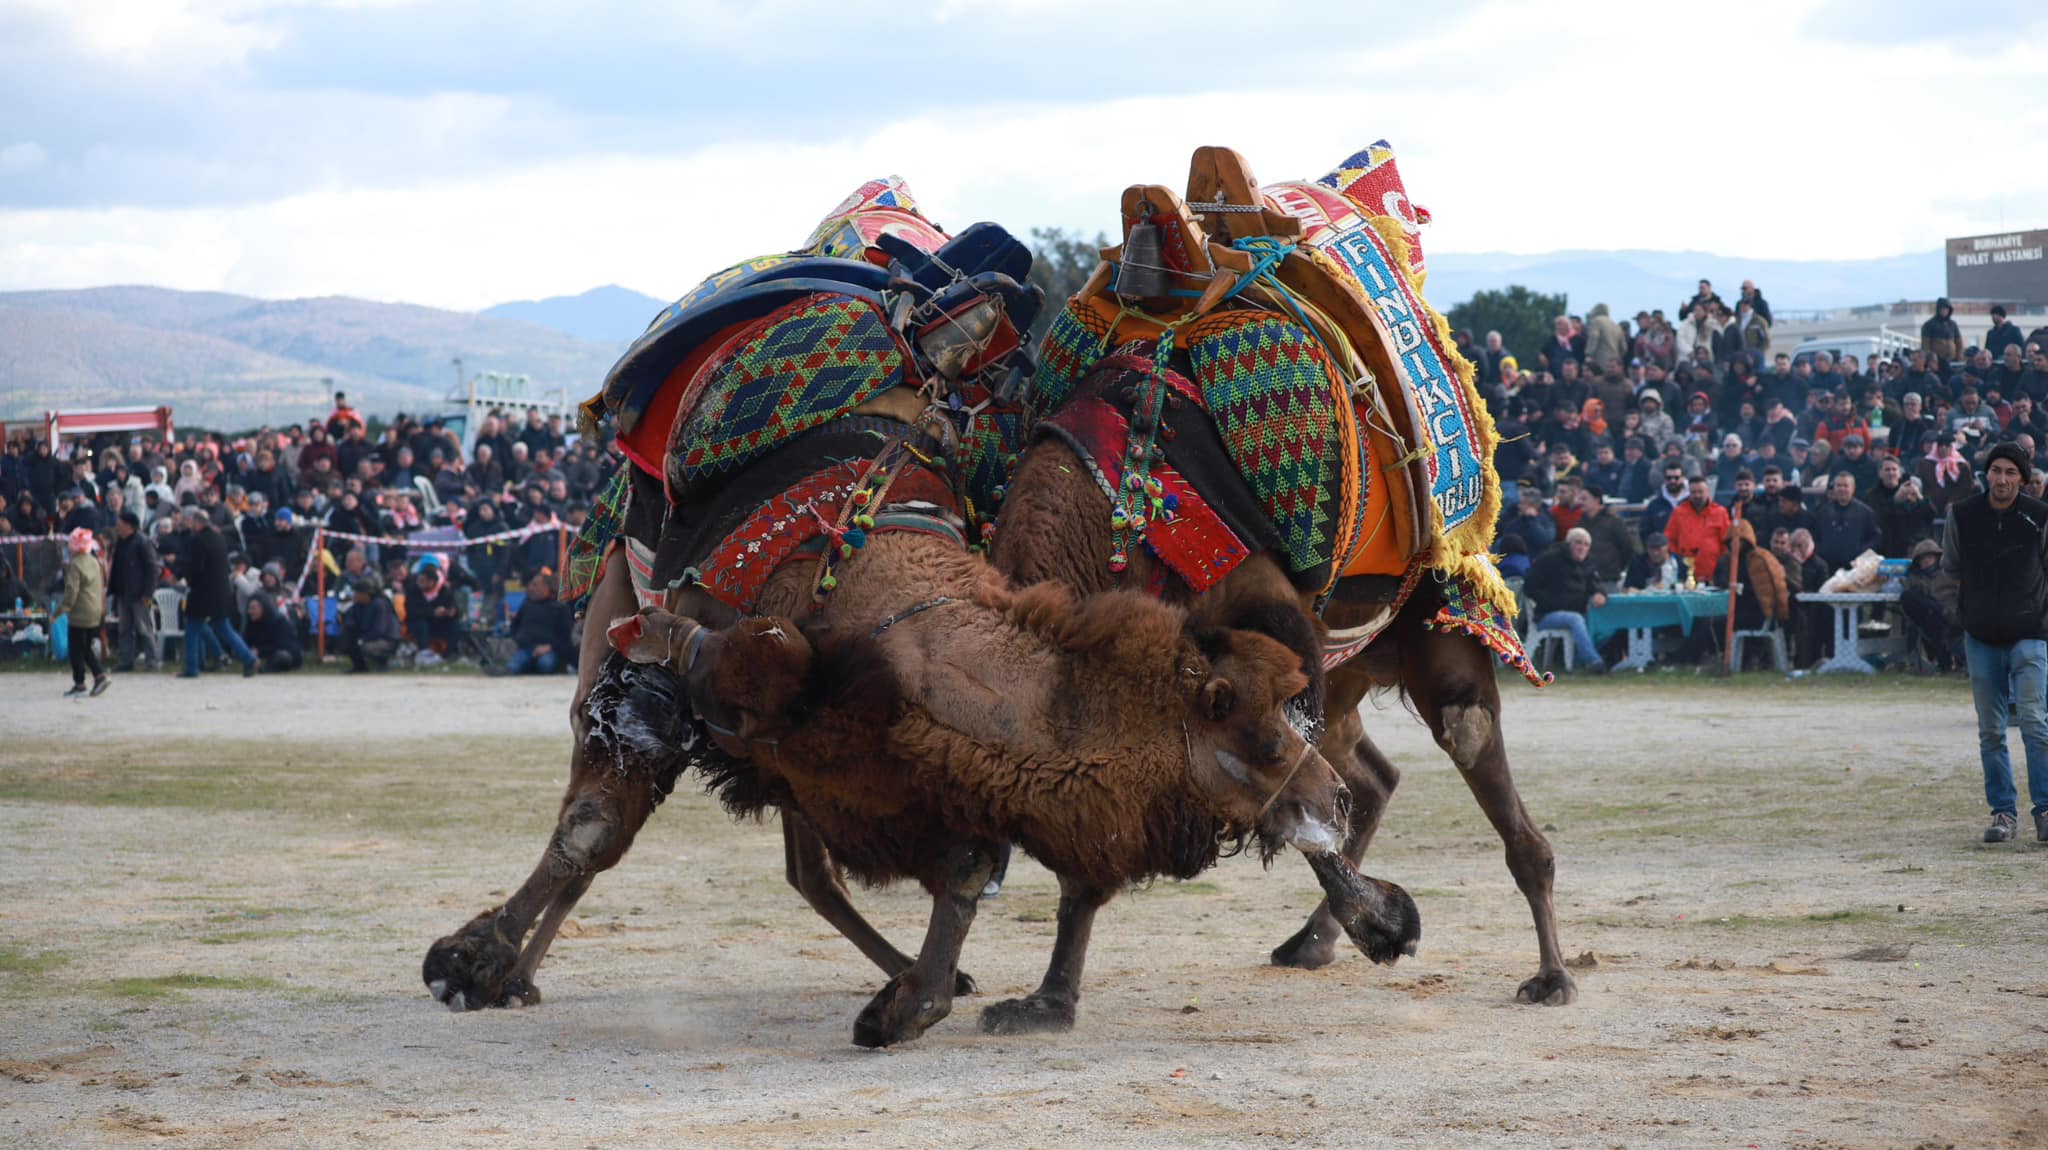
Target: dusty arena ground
216,897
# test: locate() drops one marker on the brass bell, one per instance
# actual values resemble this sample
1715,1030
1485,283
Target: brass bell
1142,273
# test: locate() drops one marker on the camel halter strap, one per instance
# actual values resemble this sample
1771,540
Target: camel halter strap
1306,748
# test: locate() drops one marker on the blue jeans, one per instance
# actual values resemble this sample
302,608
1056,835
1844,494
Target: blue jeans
214,635
1583,651
525,662
2002,678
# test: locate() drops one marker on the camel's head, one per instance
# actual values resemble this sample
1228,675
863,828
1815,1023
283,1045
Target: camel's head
743,680
1244,753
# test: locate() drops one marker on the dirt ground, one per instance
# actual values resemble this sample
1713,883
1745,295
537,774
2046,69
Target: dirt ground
216,897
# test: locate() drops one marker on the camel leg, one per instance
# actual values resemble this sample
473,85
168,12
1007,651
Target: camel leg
1371,778
807,863
611,599
1050,1008
620,772
1451,680
915,1000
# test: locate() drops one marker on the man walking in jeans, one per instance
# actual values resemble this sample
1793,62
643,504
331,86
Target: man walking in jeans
1997,548
209,599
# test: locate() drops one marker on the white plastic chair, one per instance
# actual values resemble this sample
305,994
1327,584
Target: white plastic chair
1539,646
170,618
1768,634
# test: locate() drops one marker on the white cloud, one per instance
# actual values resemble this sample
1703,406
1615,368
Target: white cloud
23,157
1600,124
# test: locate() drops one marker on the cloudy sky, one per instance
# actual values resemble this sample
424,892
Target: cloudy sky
465,152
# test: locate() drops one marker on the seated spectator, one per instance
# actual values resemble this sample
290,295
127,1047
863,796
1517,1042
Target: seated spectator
1855,461
1531,521
1930,600
1565,508
270,633
1812,622
432,615
1561,587
540,629
1656,569
369,628
1514,557
1764,595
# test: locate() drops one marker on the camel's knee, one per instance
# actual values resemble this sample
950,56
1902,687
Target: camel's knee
1531,861
1464,730
589,835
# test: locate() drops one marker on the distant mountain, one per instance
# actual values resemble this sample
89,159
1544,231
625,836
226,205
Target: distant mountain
608,314
1629,281
227,361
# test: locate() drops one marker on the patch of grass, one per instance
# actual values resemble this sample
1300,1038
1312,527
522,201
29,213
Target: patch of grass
1849,916
15,960
381,787
229,937
1194,888
1434,892
164,986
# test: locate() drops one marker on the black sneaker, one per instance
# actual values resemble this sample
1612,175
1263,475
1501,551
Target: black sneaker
77,691
100,685
249,669
2003,826
2041,826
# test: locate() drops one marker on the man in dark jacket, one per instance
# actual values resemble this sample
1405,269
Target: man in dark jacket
541,631
369,628
1847,526
1614,542
1561,587
1996,546
133,586
209,599
1939,336
2003,334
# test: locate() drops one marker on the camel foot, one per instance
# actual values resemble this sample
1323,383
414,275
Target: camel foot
1379,916
899,1012
1548,988
1036,1014
468,970
1313,947
963,984
518,992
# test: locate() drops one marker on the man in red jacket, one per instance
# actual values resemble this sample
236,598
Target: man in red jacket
1698,530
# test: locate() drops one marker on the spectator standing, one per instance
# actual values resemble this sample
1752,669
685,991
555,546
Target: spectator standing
1996,547
540,631
1698,530
1604,343
84,605
1939,336
132,582
1562,587
2003,334
1847,527
1904,520
210,599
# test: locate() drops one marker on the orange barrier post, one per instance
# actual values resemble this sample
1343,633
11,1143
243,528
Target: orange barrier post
561,550
1734,576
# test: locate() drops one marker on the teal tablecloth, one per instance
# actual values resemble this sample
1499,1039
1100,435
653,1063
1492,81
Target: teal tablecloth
1656,609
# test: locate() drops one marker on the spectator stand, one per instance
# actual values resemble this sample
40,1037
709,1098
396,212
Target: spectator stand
33,610
325,614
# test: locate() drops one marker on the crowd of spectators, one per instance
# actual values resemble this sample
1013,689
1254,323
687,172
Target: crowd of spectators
1633,453
231,523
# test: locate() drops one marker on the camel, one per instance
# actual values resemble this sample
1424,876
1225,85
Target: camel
1054,525
927,715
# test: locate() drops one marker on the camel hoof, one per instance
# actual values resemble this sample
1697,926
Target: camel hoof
898,1013
468,971
1313,947
518,992
1033,1015
964,984
1551,988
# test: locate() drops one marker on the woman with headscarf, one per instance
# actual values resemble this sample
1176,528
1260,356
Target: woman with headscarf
84,604
190,481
